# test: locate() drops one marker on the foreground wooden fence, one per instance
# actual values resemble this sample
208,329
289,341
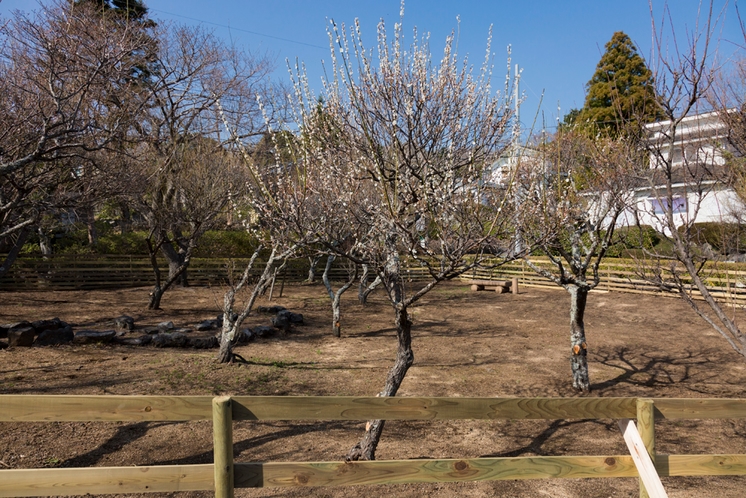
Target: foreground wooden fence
224,474
727,281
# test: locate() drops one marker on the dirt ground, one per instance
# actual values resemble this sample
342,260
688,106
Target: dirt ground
465,344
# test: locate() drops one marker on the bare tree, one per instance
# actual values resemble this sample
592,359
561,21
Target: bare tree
570,196
234,313
392,162
365,286
66,71
336,296
686,171
182,193
182,203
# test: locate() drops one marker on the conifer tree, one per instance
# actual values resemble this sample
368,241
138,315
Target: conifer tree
621,92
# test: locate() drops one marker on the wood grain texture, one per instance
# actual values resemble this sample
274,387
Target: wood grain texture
83,408
282,474
652,485
80,408
222,431
406,408
105,480
699,408
646,427
700,465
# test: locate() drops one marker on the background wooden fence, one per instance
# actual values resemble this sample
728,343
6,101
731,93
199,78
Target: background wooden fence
224,474
727,281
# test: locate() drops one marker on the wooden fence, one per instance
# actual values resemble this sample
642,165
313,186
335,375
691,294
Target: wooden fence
727,281
224,475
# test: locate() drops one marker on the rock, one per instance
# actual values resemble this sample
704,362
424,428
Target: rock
3,332
133,341
42,325
17,325
94,336
170,340
54,337
151,330
281,321
271,309
21,337
165,326
207,325
263,331
203,342
124,322
183,330
245,335
3,345
284,319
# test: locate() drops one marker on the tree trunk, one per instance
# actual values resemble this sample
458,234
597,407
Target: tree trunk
312,262
90,221
579,348
366,448
391,277
125,223
364,290
155,298
228,337
336,297
336,312
175,260
12,255
45,244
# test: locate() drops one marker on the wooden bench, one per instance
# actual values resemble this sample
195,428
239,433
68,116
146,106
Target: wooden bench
499,286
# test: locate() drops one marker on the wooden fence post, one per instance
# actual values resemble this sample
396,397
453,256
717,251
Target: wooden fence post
222,434
646,427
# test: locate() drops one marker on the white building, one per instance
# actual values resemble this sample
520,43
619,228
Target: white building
698,173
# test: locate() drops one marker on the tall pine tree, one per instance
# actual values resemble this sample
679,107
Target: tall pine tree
621,92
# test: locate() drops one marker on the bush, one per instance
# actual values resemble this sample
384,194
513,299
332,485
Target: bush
226,244
724,238
129,243
627,240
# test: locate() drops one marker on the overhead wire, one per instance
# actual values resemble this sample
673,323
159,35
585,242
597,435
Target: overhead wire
240,29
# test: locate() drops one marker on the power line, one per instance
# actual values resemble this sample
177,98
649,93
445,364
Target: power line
239,29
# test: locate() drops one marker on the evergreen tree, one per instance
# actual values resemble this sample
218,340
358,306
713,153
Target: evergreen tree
621,92
132,9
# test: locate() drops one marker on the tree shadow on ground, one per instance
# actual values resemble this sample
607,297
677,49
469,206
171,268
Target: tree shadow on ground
535,445
654,369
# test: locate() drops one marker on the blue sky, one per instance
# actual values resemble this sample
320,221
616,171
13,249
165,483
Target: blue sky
557,43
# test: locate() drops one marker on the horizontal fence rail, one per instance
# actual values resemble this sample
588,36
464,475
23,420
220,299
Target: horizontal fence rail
726,281
224,475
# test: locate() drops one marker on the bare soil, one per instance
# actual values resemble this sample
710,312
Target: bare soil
466,344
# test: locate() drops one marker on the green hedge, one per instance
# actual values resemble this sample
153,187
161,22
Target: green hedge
213,244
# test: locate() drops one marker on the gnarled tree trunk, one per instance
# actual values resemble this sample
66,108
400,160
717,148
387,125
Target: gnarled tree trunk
366,448
336,297
15,250
231,320
175,258
312,262
365,289
578,346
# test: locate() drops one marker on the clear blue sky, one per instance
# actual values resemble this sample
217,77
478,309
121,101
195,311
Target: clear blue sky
557,43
